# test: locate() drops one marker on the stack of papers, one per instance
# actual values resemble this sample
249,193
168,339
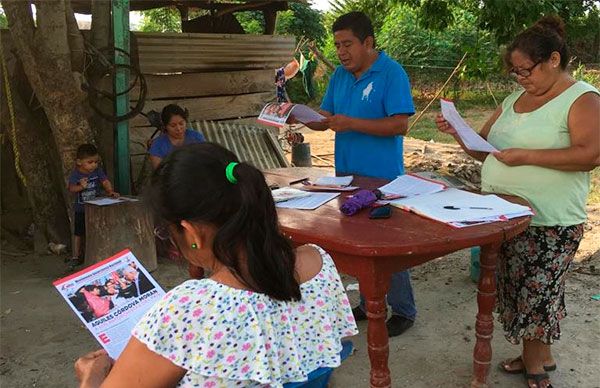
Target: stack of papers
330,183
334,180
410,185
290,198
460,208
287,193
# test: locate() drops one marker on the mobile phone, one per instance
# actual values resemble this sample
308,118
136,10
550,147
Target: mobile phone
381,212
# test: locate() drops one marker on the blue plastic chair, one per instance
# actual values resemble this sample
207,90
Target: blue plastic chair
319,378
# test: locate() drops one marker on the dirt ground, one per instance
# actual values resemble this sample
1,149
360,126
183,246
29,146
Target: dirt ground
40,337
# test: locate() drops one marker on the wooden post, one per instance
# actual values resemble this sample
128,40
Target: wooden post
110,229
270,15
120,13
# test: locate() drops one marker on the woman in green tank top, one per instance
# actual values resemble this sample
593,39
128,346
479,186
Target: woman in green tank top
549,136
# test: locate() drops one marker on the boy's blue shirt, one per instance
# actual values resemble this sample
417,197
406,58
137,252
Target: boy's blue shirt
95,179
382,91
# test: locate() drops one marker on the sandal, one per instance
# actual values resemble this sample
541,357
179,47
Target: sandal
537,378
505,366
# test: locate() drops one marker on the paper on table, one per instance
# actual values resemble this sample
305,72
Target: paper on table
310,202
287,193
409,185
110,201
432,206
335,180
311,187
470,138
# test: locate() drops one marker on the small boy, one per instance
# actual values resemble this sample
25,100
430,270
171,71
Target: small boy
85,180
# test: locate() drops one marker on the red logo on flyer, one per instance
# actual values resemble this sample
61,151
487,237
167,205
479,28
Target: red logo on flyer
104,338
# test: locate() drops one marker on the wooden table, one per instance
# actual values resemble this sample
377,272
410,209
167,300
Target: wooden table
371,250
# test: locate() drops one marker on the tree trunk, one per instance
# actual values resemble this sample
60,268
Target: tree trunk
104,129
45,53
75,40
34,147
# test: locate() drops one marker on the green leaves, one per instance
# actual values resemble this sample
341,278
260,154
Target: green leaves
301,20
161,20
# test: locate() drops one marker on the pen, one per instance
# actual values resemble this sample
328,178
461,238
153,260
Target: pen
299,180
467,207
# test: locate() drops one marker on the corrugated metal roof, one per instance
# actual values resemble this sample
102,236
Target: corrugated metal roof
188,52
251,144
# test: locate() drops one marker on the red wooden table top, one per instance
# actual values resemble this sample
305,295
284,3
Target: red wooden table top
404,234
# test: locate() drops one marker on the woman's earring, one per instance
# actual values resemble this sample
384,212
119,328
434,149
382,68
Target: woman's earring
194,246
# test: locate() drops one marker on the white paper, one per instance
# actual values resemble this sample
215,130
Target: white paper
335,180
287,193
469,137
106,201
111,315
409,186
277,114
306,115
432,206
309,187
310,202
448,180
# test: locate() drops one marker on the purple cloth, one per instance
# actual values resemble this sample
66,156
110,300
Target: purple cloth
362,199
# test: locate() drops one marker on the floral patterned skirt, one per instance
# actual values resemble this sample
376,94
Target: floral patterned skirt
531,281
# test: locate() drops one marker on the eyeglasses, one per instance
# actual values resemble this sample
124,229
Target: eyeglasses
162,233
523,72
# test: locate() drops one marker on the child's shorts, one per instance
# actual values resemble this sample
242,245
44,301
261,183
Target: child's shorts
79,229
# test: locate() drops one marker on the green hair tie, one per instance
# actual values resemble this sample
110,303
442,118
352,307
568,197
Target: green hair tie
229,172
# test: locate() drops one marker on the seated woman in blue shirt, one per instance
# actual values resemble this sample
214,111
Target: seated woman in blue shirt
175,134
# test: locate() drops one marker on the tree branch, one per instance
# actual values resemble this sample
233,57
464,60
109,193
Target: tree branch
74,38
52,28
20,17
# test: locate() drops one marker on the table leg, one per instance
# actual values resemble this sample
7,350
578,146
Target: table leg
374,290
484,325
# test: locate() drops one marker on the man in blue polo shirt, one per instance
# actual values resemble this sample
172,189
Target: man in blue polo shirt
367,104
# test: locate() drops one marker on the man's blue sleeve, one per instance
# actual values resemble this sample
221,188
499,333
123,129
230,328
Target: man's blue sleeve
398,97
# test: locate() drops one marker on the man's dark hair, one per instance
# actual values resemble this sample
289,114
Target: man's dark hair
358,23
86,151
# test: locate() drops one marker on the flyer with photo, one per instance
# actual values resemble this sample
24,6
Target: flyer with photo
110,297
277,114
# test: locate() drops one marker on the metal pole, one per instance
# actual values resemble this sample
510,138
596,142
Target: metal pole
120,19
